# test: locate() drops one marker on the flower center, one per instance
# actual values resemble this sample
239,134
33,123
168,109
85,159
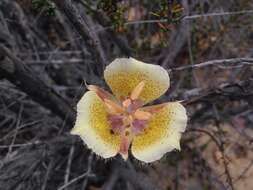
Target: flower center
127,119
131,117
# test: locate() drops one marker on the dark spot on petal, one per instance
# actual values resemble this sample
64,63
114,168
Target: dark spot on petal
112,132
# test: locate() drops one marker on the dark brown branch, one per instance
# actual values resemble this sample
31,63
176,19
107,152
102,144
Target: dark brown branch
235,91
26,79
104,21
80,25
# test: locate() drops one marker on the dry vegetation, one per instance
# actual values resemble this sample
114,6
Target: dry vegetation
49,47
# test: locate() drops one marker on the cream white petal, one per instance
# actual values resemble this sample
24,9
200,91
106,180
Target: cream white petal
124,74
93,127
162,134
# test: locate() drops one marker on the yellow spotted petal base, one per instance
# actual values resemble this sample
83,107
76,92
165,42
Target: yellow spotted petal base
162,133
93,127
124,74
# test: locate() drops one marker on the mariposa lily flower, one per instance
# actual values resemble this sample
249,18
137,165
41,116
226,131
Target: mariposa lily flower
111,124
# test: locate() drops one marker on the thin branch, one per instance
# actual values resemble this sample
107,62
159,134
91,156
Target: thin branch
16,130
26,79
86,174
71,153
222,148
49,168
236,91
244,172
75,180
18,145
243,12
215,140
219,62
89,168
191,17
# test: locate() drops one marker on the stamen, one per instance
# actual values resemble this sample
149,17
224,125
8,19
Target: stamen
142,115
126,103
137,90
113,107
135,104
154,109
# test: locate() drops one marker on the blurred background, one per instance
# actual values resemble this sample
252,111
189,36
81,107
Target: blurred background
48,48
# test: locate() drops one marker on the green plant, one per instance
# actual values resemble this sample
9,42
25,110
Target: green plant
114,12
44,5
